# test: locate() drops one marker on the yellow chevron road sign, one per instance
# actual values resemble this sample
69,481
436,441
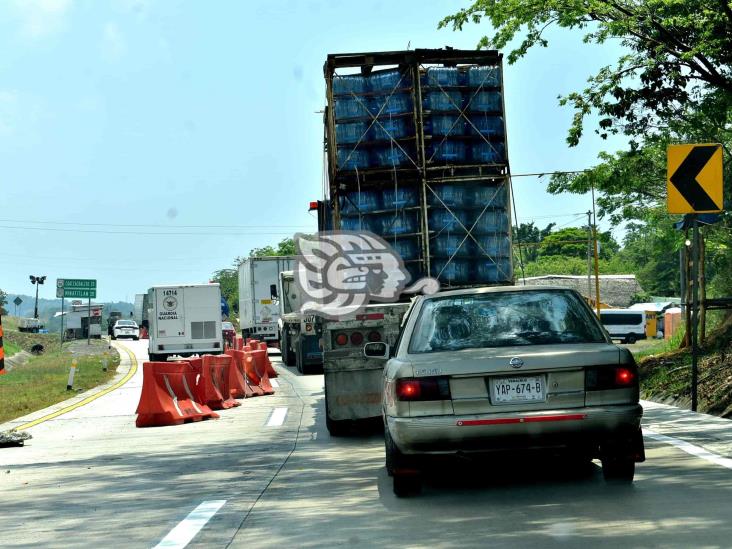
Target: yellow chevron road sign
694,179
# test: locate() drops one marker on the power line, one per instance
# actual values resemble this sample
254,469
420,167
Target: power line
146,233
153,226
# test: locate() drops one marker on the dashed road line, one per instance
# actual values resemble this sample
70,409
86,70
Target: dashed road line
131,372
277,417
186,530
689,448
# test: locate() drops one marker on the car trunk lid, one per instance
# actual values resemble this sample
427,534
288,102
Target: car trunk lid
520,378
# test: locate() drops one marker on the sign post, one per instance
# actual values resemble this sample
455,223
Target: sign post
694,185
76,287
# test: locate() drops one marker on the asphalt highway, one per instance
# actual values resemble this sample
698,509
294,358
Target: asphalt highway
267,474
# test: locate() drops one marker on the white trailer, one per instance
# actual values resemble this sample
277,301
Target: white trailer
185,319
259,309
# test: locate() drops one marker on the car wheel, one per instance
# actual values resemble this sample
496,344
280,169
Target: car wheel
407,484
135,339
621,470
114,336
394,457
631,339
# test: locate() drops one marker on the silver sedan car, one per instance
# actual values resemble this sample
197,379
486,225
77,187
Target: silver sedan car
507,369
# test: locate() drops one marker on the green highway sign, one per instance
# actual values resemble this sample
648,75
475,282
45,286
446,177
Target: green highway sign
76,287
60,292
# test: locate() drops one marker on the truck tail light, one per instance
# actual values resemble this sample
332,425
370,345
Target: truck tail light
611,377
341,339
356,338
374,336
422,389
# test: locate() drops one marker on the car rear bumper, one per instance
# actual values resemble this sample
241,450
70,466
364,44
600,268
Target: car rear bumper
586,427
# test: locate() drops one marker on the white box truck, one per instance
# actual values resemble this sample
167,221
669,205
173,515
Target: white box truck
185,319
259,309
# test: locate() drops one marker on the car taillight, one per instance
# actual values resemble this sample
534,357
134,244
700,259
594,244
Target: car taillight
341,339
426,388
624,377
611,377
374,337
356,338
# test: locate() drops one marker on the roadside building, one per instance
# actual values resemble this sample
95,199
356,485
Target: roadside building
615,290
82,321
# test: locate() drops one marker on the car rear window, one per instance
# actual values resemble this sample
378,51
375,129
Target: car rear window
504,319
127,323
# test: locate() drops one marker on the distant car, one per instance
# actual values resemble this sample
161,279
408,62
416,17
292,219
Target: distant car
507,370
229,332
126,328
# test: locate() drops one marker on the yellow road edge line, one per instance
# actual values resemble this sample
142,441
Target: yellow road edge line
90,398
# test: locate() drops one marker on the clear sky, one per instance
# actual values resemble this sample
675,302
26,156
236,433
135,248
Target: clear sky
145,142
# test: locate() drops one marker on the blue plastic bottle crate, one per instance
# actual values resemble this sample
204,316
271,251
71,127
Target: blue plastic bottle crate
350,159
406,248
483,124
448,151
399,103
365,201
359,223
445,101
456,271
442,76
386,128
490,153
488,195
390,156
350,107
486,102
387,81
484,76
489,271
402,222
350,83
351,133
446,124
493,246
449,244
441,220
400,198
490,221
449,195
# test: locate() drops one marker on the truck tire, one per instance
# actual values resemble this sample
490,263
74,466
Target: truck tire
335,428
155,357
631,339
299,359
288,357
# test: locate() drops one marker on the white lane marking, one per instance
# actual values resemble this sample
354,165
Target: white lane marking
185,531
275,383
689,448
277,417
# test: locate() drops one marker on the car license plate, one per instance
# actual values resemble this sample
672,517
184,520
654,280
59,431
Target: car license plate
518,389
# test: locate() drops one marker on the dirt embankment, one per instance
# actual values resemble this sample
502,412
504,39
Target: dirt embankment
667,377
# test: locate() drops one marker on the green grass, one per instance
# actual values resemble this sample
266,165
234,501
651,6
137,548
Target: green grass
10,348
662,346
42,381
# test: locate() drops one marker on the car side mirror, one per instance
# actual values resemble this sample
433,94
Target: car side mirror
376,349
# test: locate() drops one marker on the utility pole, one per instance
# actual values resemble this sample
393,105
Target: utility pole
695,314
597,260
589,254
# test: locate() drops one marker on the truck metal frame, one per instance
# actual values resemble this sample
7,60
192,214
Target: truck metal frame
352,380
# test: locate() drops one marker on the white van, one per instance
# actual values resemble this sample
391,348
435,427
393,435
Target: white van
625,324
185,319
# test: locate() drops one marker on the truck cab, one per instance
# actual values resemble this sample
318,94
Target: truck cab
300,335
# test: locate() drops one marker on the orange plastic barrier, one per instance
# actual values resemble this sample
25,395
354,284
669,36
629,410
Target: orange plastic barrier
260,370
213,382
238,383
271,372
250,372
238,343
168,395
